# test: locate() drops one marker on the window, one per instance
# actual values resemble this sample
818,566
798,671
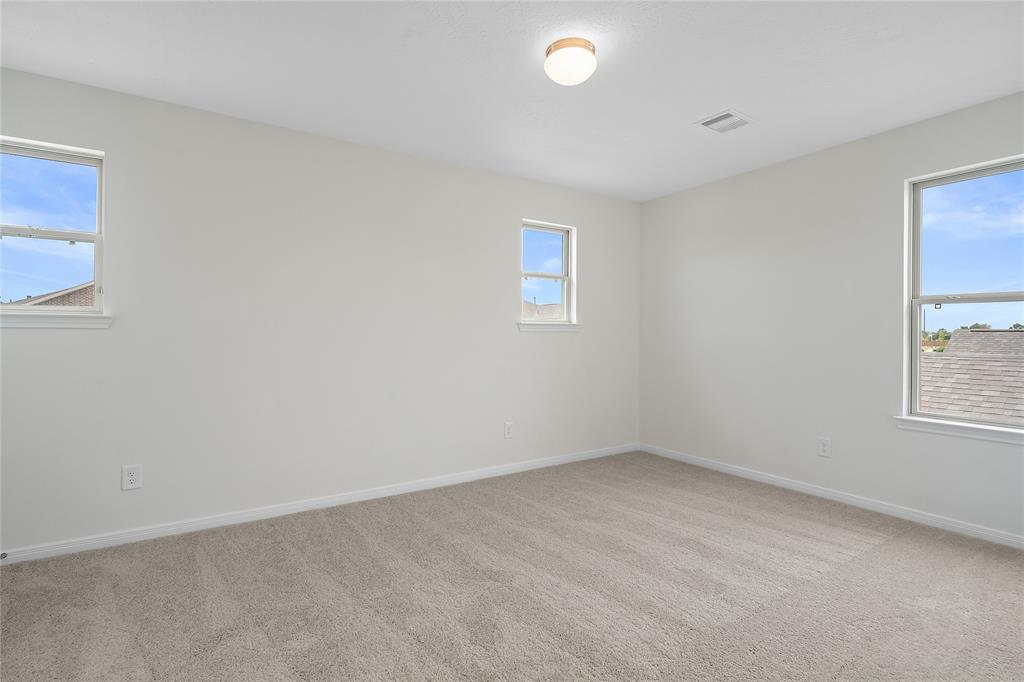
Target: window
51,229
967,296
548,274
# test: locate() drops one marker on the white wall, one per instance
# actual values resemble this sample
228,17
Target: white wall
297,317
772,315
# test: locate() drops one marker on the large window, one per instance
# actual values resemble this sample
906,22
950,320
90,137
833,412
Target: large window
51,233
967,296
548,274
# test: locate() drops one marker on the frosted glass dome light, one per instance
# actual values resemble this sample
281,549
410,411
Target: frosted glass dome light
570,61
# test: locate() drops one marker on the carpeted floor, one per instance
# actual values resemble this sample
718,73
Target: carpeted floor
630,567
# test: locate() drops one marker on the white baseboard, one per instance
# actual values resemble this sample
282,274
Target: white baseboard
231,518
926,518
99,541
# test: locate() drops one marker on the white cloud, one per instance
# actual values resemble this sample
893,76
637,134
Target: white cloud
975,223
991,206
553,264
81,251
29,275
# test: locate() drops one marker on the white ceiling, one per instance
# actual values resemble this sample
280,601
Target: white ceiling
463,82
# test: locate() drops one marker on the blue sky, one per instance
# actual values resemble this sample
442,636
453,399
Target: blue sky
973,242
542,252
42,193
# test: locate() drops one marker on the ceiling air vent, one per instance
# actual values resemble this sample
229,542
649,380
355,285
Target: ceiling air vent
724,122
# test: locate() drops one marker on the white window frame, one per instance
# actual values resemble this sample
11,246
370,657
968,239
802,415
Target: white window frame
60,316
912,417
570,321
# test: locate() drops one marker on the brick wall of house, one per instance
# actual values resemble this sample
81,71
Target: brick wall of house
80,297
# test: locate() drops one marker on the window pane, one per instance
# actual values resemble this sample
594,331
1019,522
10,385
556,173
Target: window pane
972,235
543,299
45,272
543,251
44,193
972,361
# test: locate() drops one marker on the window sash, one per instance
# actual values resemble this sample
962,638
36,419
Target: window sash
59,236
996,297
915,350
566,288
947,179
48,233
51,152
544,275
566,235
916,300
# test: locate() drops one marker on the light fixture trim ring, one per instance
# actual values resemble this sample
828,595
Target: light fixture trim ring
570,42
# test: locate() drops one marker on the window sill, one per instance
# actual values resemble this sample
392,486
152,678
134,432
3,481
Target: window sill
549,326
10,319
997,434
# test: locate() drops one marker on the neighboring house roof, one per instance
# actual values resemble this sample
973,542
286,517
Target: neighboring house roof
979,375
78,295
541,311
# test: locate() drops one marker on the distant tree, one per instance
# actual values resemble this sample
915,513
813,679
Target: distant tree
941,335
1017,325
980,325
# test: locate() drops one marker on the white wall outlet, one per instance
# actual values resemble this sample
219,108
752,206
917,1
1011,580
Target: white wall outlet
131,476
508,429
824,447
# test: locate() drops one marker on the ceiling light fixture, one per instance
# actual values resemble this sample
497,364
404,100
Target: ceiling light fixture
570,61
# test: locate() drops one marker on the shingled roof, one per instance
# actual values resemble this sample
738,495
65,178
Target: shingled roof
980,375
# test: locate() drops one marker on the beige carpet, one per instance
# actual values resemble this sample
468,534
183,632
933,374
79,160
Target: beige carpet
631,567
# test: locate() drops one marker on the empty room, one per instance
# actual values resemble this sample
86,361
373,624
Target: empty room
511,341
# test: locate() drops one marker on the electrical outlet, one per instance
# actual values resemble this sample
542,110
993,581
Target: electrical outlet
131,476
508,429
824,447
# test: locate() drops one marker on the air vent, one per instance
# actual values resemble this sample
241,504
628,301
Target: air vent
724,122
